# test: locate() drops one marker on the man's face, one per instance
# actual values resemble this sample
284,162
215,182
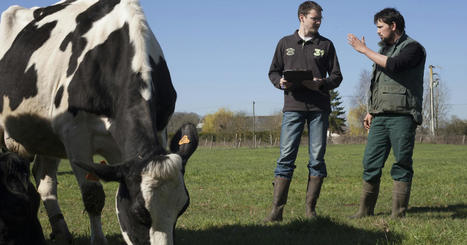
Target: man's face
386,32
311,22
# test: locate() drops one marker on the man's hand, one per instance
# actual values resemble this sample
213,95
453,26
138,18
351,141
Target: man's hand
314,84
367,121
284,84
356,43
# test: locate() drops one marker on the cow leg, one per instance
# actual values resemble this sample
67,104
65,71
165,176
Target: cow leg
45,174
93,196
76,133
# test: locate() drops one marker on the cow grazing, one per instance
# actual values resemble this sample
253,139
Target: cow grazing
85,77
19,203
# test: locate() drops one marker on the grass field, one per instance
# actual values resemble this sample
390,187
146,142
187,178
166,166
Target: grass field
231,193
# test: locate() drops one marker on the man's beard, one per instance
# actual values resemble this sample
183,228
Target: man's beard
389,40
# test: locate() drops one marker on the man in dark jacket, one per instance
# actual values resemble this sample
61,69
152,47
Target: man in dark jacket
394,110
306,101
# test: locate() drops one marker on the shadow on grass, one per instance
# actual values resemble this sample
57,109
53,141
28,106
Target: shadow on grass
115,239
459,210
318,231
65,173
321,230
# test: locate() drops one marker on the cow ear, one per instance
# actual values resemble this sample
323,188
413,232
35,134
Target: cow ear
185,141
104,172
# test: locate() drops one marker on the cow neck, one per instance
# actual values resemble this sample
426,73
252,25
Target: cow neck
136,136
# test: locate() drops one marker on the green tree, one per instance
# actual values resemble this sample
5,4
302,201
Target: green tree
219,122
355,120
455,126
336,118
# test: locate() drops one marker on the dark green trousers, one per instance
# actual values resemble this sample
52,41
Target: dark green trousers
386,131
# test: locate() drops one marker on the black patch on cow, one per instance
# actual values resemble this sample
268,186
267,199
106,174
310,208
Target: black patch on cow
165,96
130,217
101,75
35,134
84,23
16,82
105,84
134,218
41,13
58,97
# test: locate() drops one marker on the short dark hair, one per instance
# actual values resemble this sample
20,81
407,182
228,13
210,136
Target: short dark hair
306,6
389,15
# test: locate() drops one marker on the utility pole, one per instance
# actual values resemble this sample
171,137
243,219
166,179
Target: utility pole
254,124
433,84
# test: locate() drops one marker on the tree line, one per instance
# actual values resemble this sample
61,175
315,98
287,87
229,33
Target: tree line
225,125
443,125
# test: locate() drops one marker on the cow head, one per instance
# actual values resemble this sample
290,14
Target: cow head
152,193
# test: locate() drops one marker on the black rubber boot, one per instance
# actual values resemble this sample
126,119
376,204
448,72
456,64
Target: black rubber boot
312,194
400,198
367,200
281,190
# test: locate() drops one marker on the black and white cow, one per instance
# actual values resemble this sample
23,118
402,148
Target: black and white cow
19,203
85,77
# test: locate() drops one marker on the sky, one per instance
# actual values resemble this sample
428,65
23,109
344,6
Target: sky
219,52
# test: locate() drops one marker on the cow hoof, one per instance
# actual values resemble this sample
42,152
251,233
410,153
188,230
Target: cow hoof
98,241
61,238
60,233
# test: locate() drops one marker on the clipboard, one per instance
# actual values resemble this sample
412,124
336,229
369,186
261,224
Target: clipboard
297,75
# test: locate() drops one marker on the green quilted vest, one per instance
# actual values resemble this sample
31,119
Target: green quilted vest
401,92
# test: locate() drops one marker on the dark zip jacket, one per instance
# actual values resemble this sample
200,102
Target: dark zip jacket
317,55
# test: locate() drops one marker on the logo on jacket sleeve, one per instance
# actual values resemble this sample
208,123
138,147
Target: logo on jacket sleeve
290,51
318,52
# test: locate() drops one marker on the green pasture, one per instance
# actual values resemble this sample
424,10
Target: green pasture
231,192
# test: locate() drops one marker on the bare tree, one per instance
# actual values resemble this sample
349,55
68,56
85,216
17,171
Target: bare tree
441,107
359,106
362,90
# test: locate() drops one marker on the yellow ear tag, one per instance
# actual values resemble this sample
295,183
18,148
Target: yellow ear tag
184,140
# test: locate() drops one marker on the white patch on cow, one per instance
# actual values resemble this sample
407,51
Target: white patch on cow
160,238
106,122
14,19
139,35
124,233
126,238
157,172
163,191
46,189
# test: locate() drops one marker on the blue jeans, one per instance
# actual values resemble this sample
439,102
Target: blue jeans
293,124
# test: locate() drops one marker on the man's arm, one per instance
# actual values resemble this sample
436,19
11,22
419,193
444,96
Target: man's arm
361,47
334,70
277,66
410,56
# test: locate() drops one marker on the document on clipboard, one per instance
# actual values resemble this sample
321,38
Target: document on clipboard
297,75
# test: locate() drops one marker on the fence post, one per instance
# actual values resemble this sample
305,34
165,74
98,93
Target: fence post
463,140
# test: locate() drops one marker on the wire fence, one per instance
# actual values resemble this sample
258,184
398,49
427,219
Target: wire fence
261,142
